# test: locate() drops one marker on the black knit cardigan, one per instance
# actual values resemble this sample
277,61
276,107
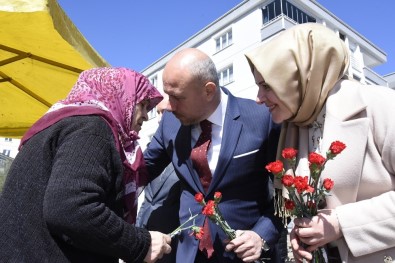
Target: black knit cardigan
62,200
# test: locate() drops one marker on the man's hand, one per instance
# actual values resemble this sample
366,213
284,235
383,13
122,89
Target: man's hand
247,245
160,244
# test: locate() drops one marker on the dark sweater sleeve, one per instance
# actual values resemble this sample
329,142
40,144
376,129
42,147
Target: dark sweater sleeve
79,191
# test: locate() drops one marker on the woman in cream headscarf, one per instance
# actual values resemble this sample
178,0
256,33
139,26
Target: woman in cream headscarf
302,78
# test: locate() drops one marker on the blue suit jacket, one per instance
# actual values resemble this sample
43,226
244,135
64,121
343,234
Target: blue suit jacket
248,143
156,196
159,211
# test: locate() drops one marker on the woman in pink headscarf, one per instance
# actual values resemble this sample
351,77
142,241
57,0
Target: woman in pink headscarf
71,193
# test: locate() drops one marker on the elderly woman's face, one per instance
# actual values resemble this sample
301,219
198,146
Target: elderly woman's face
266,96
140,115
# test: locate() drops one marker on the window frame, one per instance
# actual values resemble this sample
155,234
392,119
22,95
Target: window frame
229,71
224,40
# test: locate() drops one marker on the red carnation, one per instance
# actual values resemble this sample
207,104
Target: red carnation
301,183
310,189
287,180
217,197
197,232
328,184
209,209
199,198
289,205
317,159
289,153
275,167
337,147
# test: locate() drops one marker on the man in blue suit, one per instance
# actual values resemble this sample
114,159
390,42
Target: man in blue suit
243,141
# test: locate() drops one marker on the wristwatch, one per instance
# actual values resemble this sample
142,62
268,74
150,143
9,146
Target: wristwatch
265,247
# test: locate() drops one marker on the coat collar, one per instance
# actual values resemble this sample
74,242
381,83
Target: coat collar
346,94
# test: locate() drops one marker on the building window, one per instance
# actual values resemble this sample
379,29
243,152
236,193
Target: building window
152,113
223,41
342,36
154,81
226,76
278,7
6,152
356,77
8,139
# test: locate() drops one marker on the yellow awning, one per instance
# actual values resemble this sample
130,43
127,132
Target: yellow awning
41,56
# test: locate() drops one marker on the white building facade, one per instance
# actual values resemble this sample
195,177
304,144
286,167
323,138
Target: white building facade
246,26
252,23
9,146
390,78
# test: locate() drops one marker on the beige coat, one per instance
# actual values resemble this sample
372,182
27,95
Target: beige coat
363,117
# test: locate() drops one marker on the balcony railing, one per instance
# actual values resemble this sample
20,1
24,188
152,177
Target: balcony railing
374,77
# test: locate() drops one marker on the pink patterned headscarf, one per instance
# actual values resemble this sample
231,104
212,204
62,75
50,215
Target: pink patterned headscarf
113,94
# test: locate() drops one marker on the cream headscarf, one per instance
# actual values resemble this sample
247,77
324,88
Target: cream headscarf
301,65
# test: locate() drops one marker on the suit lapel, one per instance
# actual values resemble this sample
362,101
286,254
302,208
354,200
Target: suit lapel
349,124
230,138
183,150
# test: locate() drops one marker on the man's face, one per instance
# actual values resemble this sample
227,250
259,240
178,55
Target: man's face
187,99
161,107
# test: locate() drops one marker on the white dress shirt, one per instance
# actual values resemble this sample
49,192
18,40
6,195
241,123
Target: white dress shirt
217,119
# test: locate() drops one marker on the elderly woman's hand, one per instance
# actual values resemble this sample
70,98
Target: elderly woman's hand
160,244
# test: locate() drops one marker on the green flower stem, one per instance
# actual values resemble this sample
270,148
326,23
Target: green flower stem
318,256
219,220
183,227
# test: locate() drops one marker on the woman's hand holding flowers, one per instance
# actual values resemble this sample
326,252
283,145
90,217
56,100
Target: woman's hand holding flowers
315,232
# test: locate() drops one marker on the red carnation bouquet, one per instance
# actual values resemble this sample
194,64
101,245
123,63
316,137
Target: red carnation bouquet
305,193
211,210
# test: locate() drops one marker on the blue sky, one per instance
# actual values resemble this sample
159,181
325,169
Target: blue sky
137,33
